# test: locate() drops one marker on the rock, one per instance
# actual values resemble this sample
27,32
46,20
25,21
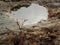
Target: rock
41,32
8,30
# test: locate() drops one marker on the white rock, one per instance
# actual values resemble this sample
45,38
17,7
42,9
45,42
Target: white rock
33,13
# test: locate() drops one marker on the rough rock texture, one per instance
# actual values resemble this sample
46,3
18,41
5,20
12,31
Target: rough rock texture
8,30
43,33
6,22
